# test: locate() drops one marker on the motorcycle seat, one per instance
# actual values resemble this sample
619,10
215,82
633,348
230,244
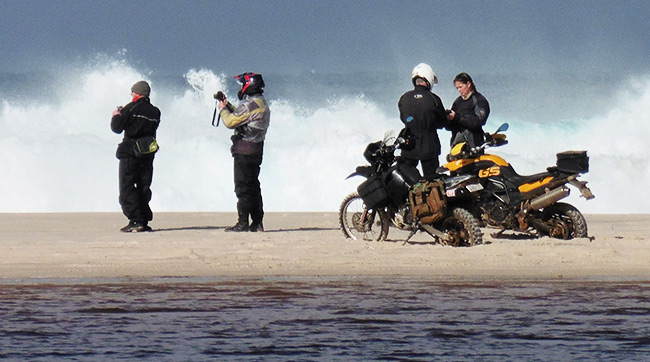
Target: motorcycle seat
519,180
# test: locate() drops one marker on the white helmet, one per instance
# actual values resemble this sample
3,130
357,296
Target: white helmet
425,72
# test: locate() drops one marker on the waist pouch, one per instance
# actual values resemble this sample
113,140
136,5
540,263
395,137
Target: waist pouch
144,146
428,201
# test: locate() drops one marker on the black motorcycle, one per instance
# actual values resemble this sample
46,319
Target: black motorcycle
522,203
394,194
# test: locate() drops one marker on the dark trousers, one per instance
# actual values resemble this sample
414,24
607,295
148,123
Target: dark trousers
247,187
135,179
429,167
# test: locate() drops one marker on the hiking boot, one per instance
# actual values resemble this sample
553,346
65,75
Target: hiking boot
238,227
257,227
128,226
133,227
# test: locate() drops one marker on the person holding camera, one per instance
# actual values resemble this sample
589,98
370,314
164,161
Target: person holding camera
423,114
250,121
139,121
468,114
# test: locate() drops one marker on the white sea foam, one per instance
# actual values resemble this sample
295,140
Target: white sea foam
58,156
616,143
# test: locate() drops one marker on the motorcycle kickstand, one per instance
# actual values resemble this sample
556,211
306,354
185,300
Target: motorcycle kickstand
498,233
436,234
413,231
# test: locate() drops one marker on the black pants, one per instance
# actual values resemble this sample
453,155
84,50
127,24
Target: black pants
135,179
247,187
429,167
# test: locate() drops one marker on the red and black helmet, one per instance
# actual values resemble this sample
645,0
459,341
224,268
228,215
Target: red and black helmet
252,83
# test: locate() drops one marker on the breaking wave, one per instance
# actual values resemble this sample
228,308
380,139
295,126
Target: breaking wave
57,153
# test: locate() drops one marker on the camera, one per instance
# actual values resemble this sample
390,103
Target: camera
219,96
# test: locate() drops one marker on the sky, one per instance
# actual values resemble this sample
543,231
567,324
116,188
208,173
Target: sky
291,37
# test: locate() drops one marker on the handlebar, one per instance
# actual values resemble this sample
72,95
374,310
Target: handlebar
399,141
490,141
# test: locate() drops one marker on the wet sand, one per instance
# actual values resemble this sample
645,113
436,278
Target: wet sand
90,245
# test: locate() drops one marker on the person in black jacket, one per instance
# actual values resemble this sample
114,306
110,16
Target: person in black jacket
138,120
423,114
468,114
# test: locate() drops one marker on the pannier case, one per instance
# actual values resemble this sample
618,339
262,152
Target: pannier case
428,201
372,192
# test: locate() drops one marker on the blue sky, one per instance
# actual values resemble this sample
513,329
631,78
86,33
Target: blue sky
170,37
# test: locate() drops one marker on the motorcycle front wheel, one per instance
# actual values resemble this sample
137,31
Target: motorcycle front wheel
462,229
565,221
360,223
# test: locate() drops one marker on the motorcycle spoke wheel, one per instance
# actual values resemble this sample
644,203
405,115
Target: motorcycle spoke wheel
462,229
359,223
565,221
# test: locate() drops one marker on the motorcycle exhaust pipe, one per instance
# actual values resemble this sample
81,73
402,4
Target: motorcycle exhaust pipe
548,199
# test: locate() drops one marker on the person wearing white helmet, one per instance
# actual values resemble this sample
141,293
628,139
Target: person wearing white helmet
423,115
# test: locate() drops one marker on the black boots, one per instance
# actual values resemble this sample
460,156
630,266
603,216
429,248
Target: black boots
135,227
242,223
239,227
257,227
243,226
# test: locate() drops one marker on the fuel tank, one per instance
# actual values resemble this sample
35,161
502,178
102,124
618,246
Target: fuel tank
398,180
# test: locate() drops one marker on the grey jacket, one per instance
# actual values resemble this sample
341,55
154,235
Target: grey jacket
250,119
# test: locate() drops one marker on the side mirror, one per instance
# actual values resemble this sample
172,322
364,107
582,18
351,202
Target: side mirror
502,128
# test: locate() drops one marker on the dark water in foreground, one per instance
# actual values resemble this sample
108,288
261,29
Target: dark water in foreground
325,319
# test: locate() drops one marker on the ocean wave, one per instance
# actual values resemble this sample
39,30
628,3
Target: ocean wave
57,155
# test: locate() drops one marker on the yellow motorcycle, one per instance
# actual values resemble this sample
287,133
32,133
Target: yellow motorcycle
528,204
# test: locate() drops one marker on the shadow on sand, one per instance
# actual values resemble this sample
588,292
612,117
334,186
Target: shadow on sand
223,227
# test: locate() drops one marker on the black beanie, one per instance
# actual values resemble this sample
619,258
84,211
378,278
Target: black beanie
142,88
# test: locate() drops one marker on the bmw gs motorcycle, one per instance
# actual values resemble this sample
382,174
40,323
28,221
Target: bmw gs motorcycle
386,197
528,204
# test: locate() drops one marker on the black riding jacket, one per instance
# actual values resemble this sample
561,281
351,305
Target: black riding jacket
423,114
137,119
471,115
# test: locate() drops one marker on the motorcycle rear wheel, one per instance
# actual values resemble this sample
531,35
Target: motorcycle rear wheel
462,228
565,220
352,211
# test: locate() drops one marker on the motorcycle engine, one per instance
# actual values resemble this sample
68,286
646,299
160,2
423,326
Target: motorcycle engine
497,214
403,218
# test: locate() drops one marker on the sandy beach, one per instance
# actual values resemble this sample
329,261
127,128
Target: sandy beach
89,245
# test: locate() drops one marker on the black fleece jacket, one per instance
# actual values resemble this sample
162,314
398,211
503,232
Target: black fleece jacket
137,119
423,114
471,115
